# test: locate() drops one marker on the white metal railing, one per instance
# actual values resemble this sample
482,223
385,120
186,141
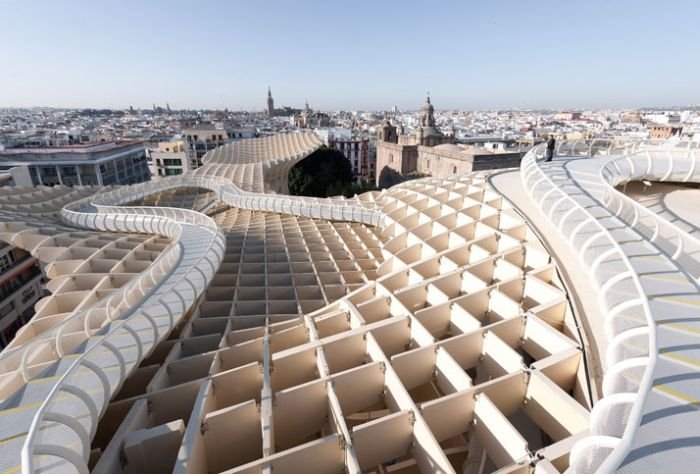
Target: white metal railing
636,160
609,146
675,241
67,419
18,357
69,415
320,208
616,417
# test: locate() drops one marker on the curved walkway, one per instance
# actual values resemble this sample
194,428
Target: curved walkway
672,202
340,209
47,419
53,418
646,270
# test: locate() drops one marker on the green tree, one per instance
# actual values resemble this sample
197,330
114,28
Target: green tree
325,172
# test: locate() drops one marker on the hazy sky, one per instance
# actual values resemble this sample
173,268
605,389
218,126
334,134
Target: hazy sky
349,54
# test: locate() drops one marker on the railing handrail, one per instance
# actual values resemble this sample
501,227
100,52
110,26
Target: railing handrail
623,446
49,333
681,233
27,450
634,149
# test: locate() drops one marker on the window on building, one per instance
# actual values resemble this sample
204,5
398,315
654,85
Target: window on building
454,170
427,164
391,158
6,261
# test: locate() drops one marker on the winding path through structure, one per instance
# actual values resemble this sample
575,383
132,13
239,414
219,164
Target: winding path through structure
646,269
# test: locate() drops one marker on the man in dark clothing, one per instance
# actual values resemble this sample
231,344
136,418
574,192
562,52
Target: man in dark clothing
549,153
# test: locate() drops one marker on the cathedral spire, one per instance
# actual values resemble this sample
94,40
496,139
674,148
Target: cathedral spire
270,103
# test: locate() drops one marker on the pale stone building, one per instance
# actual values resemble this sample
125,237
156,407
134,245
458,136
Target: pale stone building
170,159
429,152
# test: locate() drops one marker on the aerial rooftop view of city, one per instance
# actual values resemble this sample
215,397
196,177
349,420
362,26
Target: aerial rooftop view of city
349,237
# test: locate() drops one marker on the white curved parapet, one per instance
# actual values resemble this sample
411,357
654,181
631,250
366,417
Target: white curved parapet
88,377
352,210
646,270
48,418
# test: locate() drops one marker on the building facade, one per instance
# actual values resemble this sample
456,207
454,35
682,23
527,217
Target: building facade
170,159
20,289
360,153
308,118
200,140
664,131
429,152
100,164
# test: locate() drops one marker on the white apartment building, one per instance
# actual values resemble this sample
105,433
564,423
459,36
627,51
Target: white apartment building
171,159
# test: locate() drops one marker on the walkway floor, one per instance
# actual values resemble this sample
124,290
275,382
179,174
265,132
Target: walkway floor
678,204
668,434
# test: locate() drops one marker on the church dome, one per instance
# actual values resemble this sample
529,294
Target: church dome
427,118
427,106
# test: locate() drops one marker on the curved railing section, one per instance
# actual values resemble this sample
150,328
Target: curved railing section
64,424
318,208
122,330
627,319
630,326
670,165
639,160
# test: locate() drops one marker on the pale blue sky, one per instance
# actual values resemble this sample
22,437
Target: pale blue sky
351,54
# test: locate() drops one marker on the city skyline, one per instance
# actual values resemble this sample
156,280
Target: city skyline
371,57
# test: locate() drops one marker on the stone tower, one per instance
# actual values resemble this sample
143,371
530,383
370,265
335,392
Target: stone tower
387,132
427,119
270,103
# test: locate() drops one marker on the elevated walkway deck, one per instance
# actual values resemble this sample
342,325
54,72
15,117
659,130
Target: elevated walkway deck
652,390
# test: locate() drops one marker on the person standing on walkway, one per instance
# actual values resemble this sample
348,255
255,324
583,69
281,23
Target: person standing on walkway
549,153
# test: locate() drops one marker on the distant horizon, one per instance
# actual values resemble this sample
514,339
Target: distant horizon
417,109
363,55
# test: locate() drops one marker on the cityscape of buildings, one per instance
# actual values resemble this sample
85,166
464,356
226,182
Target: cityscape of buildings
480,309
174,141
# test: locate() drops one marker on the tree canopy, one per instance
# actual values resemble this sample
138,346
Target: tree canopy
321,174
